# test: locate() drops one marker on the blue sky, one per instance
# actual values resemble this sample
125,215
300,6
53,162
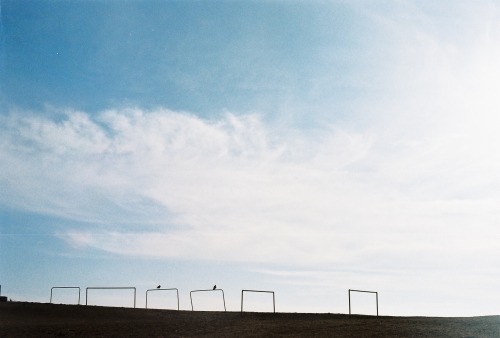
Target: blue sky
301,147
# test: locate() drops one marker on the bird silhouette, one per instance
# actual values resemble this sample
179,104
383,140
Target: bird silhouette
159,286
215,287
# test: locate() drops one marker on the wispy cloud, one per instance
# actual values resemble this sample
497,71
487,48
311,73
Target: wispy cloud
232,177
169,184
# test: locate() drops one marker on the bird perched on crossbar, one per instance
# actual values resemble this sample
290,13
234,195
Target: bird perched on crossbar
159,286
215,287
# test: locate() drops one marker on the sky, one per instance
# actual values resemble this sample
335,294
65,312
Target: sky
302,147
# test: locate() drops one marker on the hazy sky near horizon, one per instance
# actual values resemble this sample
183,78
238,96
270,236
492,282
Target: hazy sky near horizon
306,147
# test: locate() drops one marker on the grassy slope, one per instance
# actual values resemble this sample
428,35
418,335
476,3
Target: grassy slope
49,320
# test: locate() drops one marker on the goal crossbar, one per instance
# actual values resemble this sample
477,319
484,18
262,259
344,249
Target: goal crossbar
171,289
191,296
261,291
364,291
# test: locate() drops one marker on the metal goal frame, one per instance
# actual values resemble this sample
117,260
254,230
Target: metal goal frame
163,290
261,291
191,296
364,291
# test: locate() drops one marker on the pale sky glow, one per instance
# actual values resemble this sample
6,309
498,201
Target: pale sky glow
306,148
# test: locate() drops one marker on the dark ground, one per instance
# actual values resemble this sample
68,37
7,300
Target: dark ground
18,319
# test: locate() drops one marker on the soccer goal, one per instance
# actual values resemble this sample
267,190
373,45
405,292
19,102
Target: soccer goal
191,296
363,291
259,291
65,287
171,289
110,288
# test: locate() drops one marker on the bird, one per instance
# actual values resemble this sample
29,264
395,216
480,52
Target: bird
215,287
159,286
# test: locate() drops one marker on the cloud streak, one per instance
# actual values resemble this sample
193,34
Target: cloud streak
169,184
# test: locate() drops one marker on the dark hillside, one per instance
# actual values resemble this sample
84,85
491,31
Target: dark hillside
19,319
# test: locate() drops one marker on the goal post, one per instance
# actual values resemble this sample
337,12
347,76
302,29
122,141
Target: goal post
191,296
363,291
171,289
110,288
65,287
260,291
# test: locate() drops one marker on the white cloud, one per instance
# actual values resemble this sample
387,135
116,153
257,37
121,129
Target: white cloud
236,189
